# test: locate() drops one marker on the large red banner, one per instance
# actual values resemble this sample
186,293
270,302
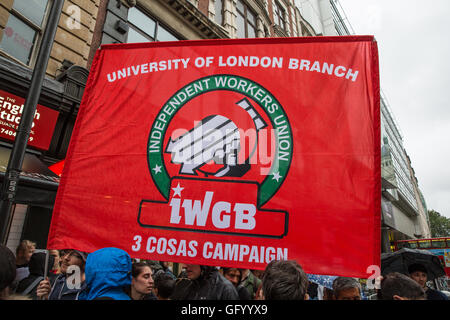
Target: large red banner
228,153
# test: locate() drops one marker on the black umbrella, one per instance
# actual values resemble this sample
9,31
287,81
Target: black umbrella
399,261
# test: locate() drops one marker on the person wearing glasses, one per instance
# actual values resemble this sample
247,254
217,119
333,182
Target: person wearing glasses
70,283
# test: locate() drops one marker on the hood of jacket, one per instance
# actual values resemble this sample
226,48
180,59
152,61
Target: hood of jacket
108,274
37,263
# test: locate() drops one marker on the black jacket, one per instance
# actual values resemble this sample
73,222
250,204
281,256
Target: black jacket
435,295
211,285
60,290
243,293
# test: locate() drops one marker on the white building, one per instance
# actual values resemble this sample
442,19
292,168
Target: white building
319,15
404,212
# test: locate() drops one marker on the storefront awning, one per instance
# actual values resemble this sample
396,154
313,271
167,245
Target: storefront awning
37,184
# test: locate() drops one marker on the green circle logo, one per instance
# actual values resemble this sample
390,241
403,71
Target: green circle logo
217,138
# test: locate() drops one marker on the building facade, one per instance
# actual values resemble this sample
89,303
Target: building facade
408,211
22,24
404,212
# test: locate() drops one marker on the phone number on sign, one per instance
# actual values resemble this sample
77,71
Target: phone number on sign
11,133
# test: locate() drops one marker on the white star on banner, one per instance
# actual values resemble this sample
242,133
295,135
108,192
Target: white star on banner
276,176
157,169
177,190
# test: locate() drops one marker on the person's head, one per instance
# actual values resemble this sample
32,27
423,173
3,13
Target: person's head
196,271
7,271
72,258
193,271
418,273
234,275
284,280
164,285
346,289
397,286
141,278
164,264
24,251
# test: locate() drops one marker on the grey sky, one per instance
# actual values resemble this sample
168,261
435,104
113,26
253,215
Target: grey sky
414,49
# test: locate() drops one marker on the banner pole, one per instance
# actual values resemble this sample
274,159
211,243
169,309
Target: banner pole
11,180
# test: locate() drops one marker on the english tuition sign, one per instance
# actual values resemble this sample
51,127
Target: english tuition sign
44,121
228,153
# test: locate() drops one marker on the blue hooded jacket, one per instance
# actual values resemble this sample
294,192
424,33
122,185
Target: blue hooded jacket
108,274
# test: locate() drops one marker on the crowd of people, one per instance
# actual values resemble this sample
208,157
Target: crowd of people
111,274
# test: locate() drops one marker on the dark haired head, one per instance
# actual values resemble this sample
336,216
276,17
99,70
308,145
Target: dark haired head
284,280
399,286
137,268
164,284
227,270
417,267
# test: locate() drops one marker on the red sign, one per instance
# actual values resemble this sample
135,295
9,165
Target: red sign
11,109
230,153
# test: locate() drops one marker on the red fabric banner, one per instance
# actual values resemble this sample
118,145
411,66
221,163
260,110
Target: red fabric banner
228,153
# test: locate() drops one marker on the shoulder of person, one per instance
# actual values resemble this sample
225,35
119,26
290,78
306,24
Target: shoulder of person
182,289
243,293
229,291
254,280
57,277
436,294
258,281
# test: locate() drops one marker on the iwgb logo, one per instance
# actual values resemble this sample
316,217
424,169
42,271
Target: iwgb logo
218,150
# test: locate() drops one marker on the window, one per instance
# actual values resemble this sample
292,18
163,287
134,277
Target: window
143,28
401,245
412,245
245,21
438,243
425,244
24,28
279,15
218,7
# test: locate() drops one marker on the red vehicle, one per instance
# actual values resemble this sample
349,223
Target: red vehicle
438,246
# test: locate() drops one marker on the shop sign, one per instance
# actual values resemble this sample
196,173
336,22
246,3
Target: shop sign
11,109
